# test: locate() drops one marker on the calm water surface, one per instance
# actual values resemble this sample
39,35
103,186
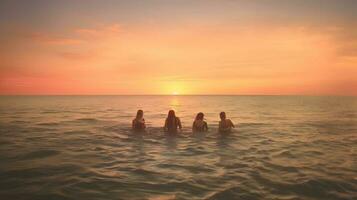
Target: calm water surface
81,147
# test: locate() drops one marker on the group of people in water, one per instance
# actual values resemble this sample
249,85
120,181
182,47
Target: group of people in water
173,123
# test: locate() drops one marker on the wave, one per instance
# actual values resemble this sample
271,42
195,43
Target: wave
281,168
285,154
48,124
235,193
91,120
39,154
190,168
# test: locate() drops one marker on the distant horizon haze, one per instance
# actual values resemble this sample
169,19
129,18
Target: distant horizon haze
173,95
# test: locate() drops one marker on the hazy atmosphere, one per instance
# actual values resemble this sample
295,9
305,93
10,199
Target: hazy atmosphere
178,47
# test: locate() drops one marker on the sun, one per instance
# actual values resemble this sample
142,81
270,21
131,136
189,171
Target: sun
173,88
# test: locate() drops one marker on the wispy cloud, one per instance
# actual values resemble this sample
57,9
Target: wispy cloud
75,37
78,56
179,79
111,30
53,40
190,58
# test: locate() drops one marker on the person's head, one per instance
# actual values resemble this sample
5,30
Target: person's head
199,116
171,114
139,114
222,115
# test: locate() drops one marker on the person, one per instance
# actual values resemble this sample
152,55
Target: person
199,125
172,122
138,123
225,125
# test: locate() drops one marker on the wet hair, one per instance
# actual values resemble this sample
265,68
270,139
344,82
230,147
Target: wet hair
171,115
199,116
139,114
171,118
222,115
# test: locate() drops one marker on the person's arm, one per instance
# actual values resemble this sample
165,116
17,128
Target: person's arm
144,125
165,126
133,124
193,126
179,123
232,125
205,128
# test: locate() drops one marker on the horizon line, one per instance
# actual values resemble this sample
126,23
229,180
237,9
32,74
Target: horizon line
312,95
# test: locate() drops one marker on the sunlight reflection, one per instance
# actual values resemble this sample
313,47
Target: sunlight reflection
174,103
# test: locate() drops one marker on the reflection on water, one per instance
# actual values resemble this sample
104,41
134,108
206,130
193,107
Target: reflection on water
175,103
83,148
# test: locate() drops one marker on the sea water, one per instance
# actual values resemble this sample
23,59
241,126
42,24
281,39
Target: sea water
82,147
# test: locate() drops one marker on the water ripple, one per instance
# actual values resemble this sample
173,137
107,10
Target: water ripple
83,148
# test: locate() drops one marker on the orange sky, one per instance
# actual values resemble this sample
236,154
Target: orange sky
184,49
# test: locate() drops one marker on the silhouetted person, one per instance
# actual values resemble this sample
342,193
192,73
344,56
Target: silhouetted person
138,123
225,125
172,122
199,125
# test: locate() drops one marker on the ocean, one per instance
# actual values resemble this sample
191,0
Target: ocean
82,147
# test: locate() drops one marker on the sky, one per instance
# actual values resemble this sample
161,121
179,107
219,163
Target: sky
228,47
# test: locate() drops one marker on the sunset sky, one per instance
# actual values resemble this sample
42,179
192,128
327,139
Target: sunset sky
306,47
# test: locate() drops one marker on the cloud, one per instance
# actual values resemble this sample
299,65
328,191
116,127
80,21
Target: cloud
75,37
160,59
179,79
54,40
78,56
79,44
346,41
342,36
101,31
